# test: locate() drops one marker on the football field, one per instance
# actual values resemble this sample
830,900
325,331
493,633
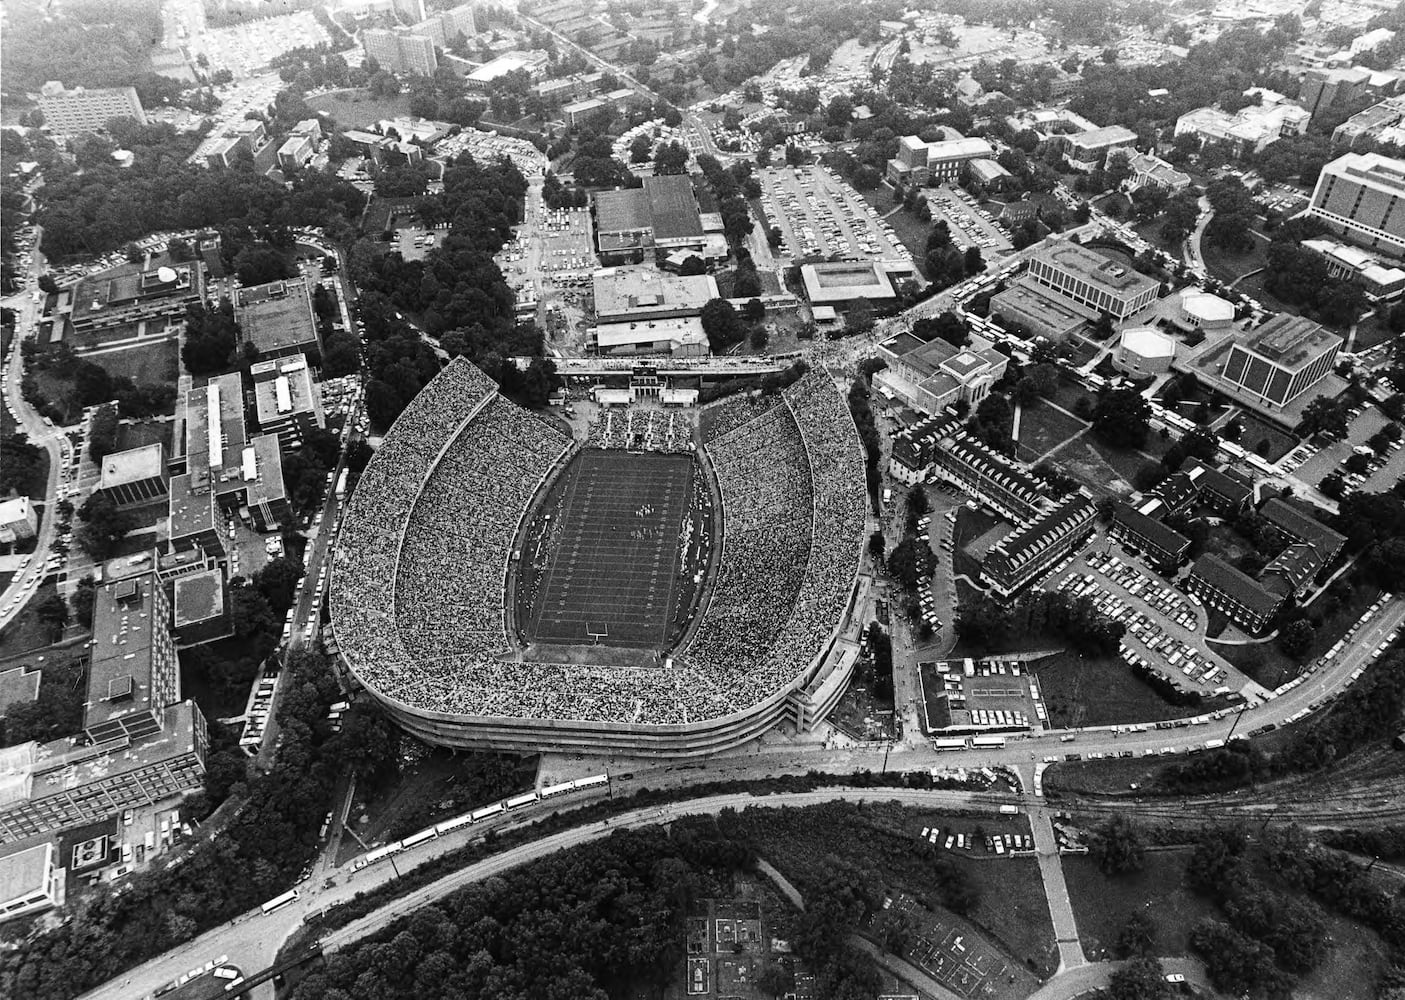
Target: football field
612,572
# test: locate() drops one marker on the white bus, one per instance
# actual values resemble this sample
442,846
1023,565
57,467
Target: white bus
949,744
988,742
418,838
486,812
278,902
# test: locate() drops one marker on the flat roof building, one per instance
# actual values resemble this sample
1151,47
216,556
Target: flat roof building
136,476
1040,310
277,318
673,210
1088,151
1144,350
400,51
922,163
51,787
1281,360
287,401
76,111
1358,196
1092,280
508,62
133,674
17,520
158,288
31,882
676,336
1380,281
843,283
199,612
1248,130
626,294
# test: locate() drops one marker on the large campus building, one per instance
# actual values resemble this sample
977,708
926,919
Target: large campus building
1248,130
140,743
287,401
1033,548
73,112
226,471
1088,151
922,163
642,310
277,318
937,447
400,51
1067,286
932,376
1278,362
653,221
136,476
1358,196
157,289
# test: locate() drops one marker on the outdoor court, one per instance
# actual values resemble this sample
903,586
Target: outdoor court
611,577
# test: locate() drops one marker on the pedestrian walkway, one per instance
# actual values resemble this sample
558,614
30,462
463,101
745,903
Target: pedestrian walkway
1055,888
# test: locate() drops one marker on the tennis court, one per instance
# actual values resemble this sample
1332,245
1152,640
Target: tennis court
613,566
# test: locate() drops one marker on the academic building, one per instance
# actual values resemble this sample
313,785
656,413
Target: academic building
1281,360
1358,196
73,112
1026,553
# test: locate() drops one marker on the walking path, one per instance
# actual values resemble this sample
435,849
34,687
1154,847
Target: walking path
1055,888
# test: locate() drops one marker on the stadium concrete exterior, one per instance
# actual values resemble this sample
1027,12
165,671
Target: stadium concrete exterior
501,701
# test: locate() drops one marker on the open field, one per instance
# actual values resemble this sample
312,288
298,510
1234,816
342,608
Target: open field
1102,903
612,572
147,364
1099,691
25,632
1086,463
1043,428
353,108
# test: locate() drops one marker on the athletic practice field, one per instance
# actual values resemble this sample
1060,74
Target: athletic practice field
610,556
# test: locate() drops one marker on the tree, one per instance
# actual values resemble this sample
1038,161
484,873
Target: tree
722,325
1137,937
102,433
257,265
753,311
671,158
1140,979
84,597
1296,638
859,318
104,526
1325,416
52,613
1121,418
1116,845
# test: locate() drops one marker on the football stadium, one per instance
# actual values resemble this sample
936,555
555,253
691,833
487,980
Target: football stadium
497,584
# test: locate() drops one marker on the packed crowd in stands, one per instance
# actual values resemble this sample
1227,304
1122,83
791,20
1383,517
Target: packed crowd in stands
637,428
792,484
448,592
727,415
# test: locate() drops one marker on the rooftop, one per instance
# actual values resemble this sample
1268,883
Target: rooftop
25,872
624,211
133,465
1300,524
1109,135
1240,587
283,386
214,424
847,280
125,619
621,292
199,597
673,207
1289,341
1026,295
277,315
1094,268
1148,342
1149,528
677,330
1206,307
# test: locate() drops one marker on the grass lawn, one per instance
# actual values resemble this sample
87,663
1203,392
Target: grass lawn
1371,333
1151,232
1102,903
970,526
147,364
1070,392
1104,471
63,394
1043,428
25,632
1268,665
1127,463
1100,691
352,108
1257,429
1228,266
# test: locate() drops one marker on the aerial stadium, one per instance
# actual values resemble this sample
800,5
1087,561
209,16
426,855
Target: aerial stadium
653,589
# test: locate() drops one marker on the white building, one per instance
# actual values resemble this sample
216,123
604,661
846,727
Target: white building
30,882
17,520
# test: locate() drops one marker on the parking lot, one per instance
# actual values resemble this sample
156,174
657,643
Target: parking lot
1373,472
1165,628
820,215
567,250
413,244
969,225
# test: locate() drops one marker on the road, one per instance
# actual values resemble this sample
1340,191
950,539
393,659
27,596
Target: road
1194,258
254,939
51,439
